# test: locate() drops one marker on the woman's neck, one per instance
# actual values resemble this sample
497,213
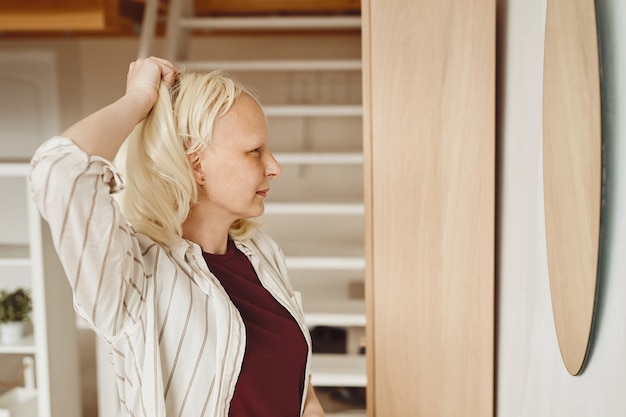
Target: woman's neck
210,235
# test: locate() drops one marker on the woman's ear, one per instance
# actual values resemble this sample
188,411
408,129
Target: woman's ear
196,167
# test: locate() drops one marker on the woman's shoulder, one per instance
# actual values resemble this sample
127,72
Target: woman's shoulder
149,246
263,240
157,257
263,245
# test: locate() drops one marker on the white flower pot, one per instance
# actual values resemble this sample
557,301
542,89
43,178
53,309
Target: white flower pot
11,333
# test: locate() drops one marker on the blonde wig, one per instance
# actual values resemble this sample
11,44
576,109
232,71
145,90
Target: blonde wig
160,185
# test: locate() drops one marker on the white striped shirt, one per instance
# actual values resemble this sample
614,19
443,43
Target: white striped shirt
176,340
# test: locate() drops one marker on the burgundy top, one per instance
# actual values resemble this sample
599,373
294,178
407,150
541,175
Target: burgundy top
272,375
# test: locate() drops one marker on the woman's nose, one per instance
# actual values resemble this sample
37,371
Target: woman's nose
273,168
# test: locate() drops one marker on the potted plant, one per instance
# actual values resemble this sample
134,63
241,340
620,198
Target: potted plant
15,309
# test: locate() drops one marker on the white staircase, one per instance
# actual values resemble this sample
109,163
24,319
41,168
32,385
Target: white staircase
315,211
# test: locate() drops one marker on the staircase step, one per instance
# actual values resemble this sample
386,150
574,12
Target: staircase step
274,65
321,262
272,23
319,158
330,299
315,208
348,413
14,169
299,110
335,319
338,370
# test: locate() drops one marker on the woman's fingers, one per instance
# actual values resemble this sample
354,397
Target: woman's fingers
168,70
145,75
153,70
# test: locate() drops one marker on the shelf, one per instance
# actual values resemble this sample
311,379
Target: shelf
14,169
19,402
25,346
14,255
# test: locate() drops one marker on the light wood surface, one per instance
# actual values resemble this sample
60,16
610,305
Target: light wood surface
366,101
572,165
66,15
117,16
429,83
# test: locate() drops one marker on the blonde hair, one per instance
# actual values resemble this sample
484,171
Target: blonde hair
160,184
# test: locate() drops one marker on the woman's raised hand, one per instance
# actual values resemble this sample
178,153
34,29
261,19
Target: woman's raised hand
144,78
103,132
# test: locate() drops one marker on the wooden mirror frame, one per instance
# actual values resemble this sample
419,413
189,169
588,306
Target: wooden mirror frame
572,171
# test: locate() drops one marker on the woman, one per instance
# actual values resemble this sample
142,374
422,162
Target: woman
192,298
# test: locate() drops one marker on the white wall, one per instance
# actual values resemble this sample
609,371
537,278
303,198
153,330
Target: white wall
531,378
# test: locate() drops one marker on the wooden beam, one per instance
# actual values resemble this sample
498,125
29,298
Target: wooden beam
50,21
58,15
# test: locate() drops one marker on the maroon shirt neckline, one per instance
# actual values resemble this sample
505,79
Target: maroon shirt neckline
271,381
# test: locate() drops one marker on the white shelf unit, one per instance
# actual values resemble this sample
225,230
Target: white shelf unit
315,211
19,402
52,341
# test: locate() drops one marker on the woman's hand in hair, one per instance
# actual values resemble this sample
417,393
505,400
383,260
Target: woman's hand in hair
103,132
144,78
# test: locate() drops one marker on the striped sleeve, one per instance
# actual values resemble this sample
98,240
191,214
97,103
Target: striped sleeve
100,255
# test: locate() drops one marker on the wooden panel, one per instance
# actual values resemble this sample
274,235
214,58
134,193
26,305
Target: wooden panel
572,170
368,202
429,81
58,15
108,17
276,6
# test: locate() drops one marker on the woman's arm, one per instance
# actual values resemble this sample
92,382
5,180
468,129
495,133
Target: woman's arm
312,406
103,132
72,185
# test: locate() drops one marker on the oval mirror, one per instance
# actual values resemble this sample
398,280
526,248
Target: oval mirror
572,171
